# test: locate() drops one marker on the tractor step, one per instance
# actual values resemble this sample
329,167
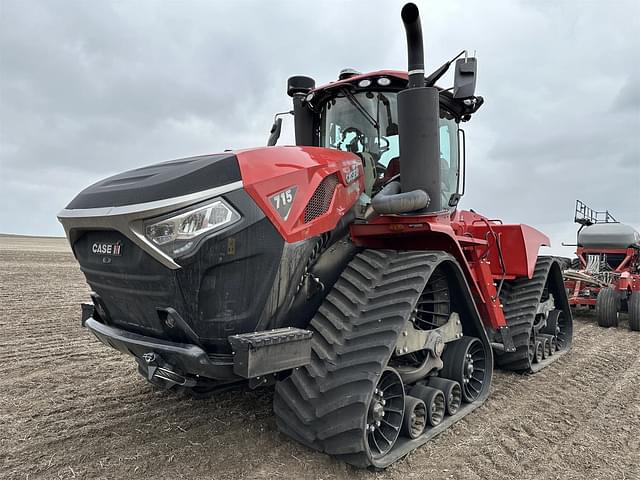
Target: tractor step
262,353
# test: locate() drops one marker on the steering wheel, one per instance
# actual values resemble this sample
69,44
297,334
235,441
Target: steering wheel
384,148
359,137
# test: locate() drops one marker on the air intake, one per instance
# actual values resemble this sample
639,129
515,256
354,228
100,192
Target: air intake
321,199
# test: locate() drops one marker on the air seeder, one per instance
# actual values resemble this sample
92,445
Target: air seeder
339,270
606,273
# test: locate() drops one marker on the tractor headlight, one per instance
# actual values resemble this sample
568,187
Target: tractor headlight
178,234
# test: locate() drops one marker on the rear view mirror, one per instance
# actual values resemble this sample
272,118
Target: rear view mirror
464,83
274,134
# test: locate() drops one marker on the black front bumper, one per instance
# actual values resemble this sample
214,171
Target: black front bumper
187,359
255,355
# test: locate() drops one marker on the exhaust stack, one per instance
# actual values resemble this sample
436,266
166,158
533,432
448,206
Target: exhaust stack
418,120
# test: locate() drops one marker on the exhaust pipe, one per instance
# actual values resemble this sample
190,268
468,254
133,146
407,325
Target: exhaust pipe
418,128
415,47
418,121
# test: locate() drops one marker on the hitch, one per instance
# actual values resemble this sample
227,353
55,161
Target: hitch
157,368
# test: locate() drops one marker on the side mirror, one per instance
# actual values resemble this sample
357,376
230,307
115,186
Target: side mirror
464,83
274,134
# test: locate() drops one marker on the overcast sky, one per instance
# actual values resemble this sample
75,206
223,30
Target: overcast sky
89,89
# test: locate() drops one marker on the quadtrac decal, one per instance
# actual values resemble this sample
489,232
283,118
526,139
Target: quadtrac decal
283,200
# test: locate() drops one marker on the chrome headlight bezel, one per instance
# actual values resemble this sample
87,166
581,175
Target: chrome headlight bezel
178,233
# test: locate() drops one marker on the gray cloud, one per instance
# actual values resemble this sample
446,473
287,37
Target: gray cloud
88,89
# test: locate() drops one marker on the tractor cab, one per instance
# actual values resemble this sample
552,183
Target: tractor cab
364,121
358,113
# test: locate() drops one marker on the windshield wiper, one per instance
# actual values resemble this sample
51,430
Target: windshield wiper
354,101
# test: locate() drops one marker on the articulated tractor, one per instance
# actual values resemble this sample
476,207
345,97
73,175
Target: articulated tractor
338,271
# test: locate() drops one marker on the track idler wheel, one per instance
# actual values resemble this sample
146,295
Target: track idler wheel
385,414
464,362
415,417
434,401
451,390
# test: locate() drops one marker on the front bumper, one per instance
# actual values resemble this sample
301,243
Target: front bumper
255,355
186,359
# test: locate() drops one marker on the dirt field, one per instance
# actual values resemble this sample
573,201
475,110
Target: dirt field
72,408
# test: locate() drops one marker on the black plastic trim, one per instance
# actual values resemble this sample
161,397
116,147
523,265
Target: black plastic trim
160,181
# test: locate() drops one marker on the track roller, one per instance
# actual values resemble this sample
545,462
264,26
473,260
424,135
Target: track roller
415,417
549,345
451,390
538,352
434,401
545,347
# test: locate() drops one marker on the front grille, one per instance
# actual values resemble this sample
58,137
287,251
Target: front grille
321,199
132,285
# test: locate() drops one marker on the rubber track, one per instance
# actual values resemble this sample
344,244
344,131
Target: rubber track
324,404
520,299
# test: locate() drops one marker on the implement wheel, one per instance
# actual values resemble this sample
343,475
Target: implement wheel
634,311
607,307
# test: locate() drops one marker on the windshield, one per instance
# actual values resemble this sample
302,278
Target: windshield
366,123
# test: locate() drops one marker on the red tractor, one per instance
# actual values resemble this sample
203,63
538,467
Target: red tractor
339,270
606,273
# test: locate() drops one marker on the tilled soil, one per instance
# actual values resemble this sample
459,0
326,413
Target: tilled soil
73,408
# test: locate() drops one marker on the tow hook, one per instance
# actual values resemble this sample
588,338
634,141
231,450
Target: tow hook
158,369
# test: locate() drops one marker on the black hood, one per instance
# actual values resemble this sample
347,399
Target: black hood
160,181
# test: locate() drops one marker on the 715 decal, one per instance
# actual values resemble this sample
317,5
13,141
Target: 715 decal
283,200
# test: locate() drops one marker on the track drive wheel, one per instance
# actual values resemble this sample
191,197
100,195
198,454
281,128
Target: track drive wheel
634,311
607,304
465,361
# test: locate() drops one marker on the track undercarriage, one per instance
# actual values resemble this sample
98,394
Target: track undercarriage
538,317
369,396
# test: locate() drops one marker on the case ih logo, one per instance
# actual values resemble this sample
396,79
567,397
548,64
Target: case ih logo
352,174
113,249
